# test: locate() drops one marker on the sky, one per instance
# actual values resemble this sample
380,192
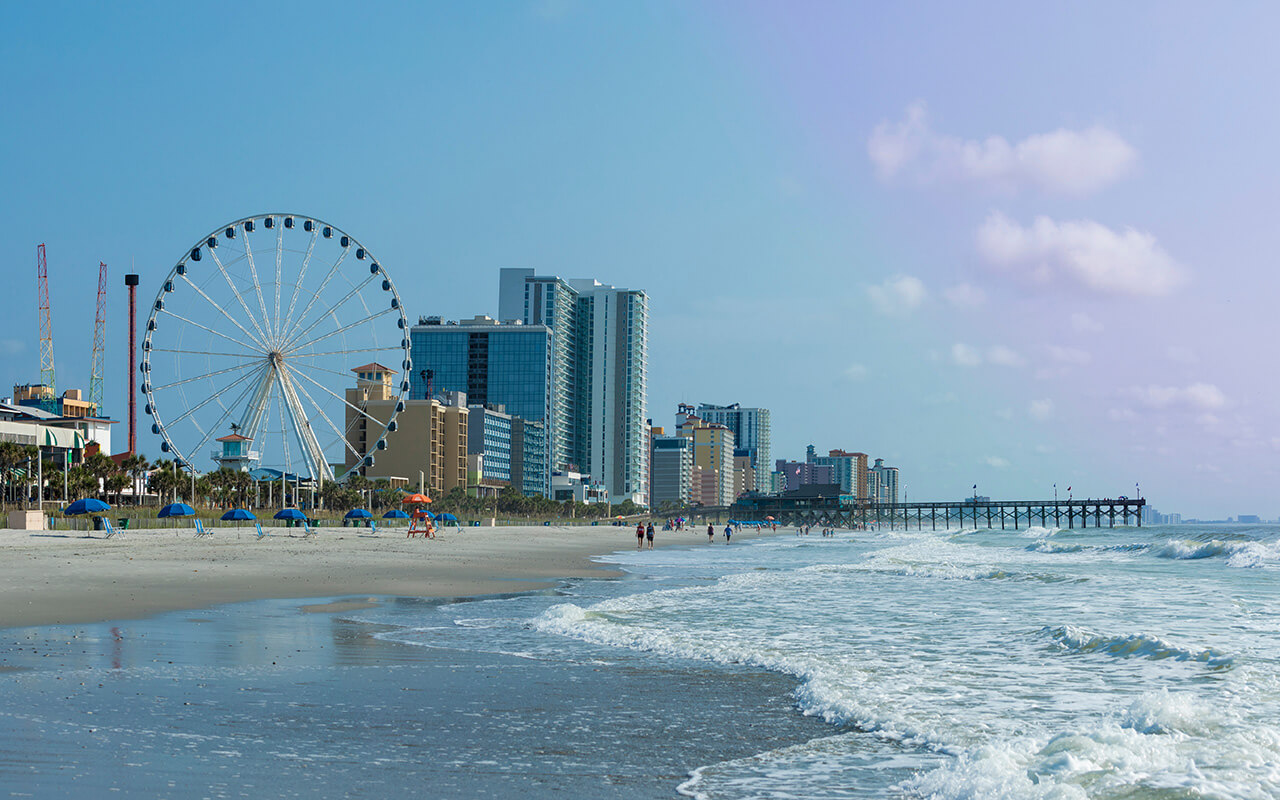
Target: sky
1014,245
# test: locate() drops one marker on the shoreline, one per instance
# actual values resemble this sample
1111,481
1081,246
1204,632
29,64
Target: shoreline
68,577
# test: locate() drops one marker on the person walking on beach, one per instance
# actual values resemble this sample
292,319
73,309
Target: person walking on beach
711,532
648,534
728,533
639,535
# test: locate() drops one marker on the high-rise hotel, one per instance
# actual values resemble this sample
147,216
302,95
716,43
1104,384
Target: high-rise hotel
599,382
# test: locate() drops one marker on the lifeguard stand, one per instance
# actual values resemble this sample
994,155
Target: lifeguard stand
236,454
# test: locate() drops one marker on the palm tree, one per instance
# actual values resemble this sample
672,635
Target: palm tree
136,467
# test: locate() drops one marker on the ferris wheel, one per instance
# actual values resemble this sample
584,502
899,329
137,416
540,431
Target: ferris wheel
255,339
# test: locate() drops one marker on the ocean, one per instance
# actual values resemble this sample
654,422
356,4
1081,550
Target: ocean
1094,663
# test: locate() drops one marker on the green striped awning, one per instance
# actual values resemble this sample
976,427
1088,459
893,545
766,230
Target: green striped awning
65,438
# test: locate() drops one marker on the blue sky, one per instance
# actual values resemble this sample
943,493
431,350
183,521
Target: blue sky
1000,244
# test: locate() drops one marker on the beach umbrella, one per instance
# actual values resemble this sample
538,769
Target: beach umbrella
90,505
415,498
238,514
395,513
290,513
769,518
357,513
448,518
177,510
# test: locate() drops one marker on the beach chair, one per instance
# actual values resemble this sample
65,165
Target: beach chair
200,531
261,532
106,526
373,526
308,530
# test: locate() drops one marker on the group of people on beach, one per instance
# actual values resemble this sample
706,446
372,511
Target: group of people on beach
644,533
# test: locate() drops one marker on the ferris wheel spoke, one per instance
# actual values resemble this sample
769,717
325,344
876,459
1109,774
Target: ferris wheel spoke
204,353
333,269
194,378
302,277
343,329
343,437
294,356
324,314
257,288
223,311
226,412
279,256
312,453
214,395
339,398
231,339
262,337
326,370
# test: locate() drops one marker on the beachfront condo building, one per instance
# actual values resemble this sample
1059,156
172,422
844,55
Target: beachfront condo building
850,470
671,465
599,382
744,474
794,474
713,446
496,364
882,482
513,450
751,428
427,449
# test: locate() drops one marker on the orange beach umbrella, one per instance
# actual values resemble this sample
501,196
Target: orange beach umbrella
415,498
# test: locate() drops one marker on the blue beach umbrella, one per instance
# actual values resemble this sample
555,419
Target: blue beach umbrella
90,505
238,514
177,510
448,518
395,513
290,513
358,513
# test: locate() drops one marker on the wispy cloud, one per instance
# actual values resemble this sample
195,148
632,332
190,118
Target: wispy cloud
1085,253
1040,409
1069,355
856,372
1196,396
964,355
965,296
997,462
1060,161
897,295
1084,323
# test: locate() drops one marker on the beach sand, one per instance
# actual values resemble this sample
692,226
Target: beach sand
59,577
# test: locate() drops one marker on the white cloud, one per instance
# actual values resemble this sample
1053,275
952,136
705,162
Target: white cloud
1062,161
1069,355
1084,323
1121,415
1003,356
1197,396
1040,409
997,462
965,296
856,371
1082,252
1181,355
898,294
965,356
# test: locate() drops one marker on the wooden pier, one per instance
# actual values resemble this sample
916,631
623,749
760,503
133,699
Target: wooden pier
1003,514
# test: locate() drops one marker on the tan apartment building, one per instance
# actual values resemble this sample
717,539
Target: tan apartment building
713,453
428,448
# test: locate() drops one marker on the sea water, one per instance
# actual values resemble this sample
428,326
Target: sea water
1108,663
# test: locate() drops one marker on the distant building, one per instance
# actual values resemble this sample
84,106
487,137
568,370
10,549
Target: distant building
744,473
578,487
713,446
795,474
513,450
882,483
671,463
1252,519
428,445
752,430
850,470
70,404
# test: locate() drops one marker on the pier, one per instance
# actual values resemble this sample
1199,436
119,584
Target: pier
1002,514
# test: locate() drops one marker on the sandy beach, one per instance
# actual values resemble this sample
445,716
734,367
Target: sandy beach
59,577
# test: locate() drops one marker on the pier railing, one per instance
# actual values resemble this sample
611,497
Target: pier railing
1003,514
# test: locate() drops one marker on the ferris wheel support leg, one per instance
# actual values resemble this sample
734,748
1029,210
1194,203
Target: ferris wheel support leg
251,420
312,451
